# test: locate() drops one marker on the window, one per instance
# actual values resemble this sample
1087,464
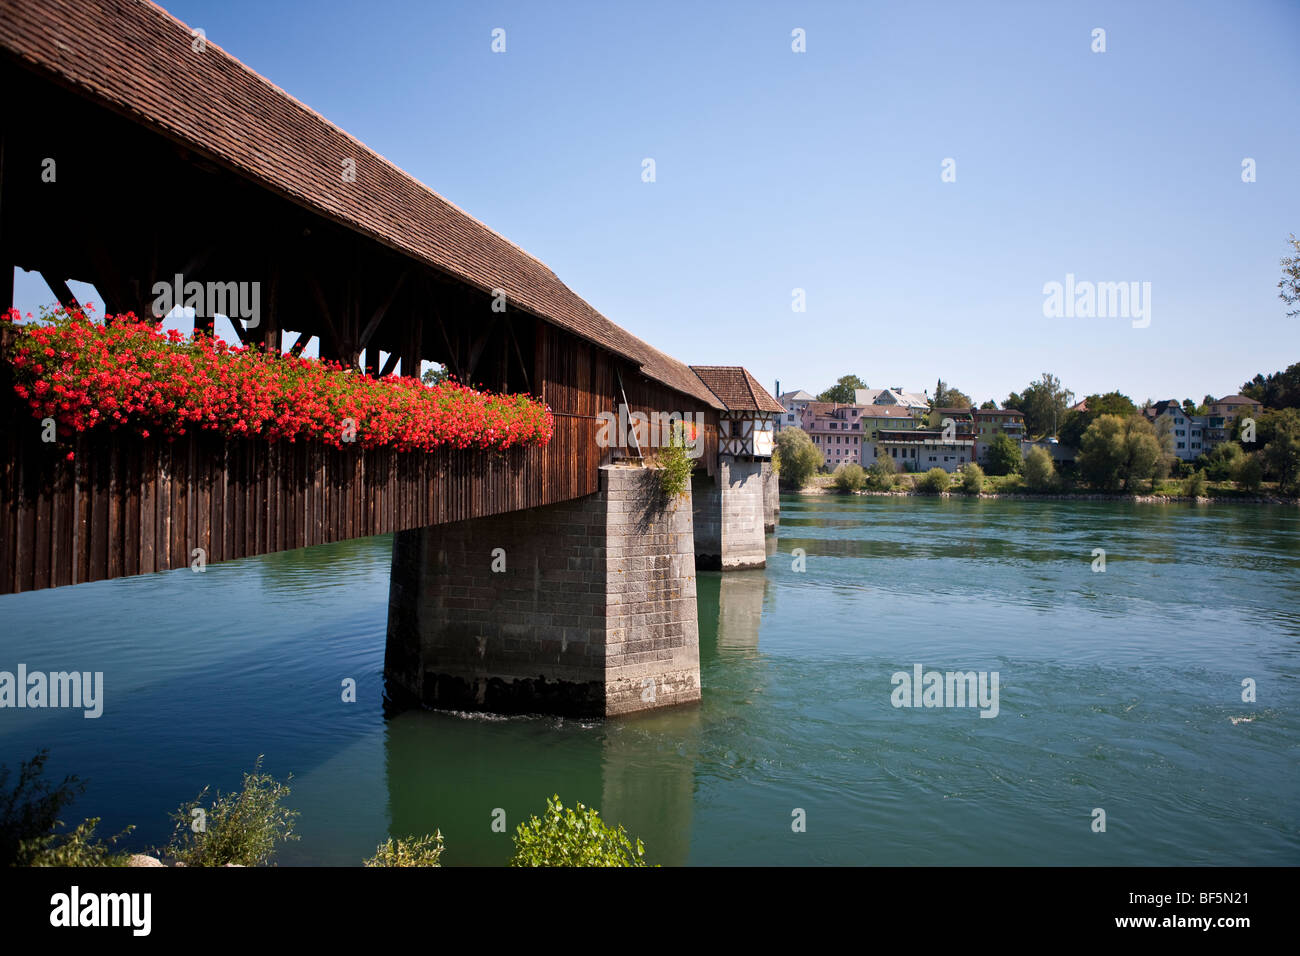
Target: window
1182,444
789,418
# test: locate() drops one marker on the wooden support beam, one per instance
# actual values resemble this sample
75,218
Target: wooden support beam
390,364
523,366
322,303
378,316
60,290
476,350
452,361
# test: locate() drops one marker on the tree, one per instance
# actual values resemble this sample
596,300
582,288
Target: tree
1044,404
843,390
436,375
1289,286
800,458
880,476
1003,455
972,478
1249,473
1076,423
1039,469
945,397
1222,461
1282,453
1118,452
1279,390
989,404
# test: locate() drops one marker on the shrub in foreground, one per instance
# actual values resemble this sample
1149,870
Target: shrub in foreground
409,851
29,822
242,828
573,837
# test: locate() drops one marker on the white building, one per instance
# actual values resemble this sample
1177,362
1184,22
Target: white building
916,404
794,404
1190,432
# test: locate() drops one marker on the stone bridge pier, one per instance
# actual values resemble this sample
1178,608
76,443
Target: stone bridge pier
582,608
731,515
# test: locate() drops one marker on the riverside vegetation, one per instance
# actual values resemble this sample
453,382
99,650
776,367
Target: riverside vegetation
1118,455
245,828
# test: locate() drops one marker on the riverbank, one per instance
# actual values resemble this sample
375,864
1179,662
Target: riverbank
824,485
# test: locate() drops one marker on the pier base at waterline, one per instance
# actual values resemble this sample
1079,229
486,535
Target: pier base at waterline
582,608
729,516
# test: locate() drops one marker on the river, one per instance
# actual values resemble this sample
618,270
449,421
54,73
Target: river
1119,690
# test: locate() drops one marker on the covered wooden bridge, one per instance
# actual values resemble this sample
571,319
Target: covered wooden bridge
131,153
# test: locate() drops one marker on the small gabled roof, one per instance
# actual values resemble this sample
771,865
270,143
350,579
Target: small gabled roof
736,389
798,396
1235,400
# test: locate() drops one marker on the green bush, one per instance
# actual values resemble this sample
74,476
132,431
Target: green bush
1249,472
1003,455
409,851
1222,461
1039,469
935,481
241,828
1194,486
972,478
880,476
80,848
29,822
675,465
569,837
29,811
800,458
850,477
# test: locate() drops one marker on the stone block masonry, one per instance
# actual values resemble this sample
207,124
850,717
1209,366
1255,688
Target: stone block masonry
771,498
590,610
729,516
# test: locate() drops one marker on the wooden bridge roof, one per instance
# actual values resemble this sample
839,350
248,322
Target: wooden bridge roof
136,58
736,389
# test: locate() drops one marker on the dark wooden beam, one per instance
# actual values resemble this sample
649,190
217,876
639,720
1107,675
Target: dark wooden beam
378,316
523,366
60,290
390,364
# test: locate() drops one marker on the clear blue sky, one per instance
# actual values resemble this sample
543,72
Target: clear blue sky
821,171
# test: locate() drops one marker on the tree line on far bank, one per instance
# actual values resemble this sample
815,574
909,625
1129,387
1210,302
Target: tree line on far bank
1117,453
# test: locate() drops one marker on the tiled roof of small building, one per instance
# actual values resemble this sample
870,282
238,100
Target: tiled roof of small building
736,388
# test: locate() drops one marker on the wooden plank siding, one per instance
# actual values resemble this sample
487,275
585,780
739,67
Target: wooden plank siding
151,502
